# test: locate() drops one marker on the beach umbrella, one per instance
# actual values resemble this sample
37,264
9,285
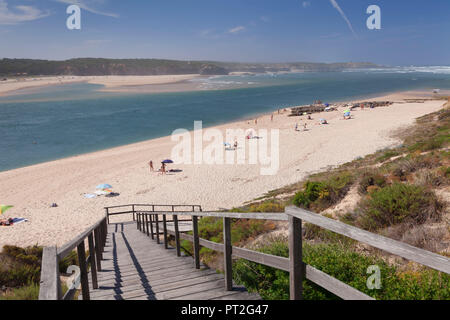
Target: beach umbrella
347,111
104,186
347,114
3,208
167,161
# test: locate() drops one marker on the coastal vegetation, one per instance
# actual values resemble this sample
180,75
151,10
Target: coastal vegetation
20,271
399,192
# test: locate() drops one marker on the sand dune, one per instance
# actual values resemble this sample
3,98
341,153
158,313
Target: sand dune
32,189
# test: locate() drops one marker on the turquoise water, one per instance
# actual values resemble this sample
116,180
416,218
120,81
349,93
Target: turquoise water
55,122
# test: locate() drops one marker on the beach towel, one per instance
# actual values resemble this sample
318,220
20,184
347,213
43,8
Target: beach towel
90,195
19,220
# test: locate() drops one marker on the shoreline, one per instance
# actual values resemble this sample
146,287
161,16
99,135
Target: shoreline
14,87
33,188
395,96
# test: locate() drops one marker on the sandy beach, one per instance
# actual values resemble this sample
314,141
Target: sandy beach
33,189
158,83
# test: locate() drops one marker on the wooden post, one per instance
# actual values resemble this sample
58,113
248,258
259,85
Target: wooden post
49,285
166,244
139,221
296,269
98,252
196,242
177,235
151,226
227,254
83,271
107,215
105,232
146,224
157,228
92,259
134,218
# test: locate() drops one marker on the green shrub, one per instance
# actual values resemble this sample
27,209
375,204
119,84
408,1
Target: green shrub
398,203
267,206
20,266
370,179
30,292
321,195
69,260
387,155
344,264
314,232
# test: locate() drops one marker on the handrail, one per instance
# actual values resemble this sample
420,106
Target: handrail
426,258
297,269
148,221
71,245
50,286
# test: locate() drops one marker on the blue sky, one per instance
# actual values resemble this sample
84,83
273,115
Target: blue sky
413,32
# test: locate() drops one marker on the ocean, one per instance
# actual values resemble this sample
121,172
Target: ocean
50,123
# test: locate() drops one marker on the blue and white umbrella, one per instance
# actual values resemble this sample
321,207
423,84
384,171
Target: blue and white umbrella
104,186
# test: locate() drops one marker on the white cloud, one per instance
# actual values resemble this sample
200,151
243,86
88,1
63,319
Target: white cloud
236,29
341,12
264,19
306,4
19,14
89,5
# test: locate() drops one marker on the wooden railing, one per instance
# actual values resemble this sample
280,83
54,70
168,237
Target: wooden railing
149,218
148,223
50,286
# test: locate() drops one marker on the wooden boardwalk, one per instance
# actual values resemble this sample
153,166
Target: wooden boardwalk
135,267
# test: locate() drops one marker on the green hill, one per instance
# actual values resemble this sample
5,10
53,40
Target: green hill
98,67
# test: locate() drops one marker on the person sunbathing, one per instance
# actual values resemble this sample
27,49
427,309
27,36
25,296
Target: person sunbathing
6,222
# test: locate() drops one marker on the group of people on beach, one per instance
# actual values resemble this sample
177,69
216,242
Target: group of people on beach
162,170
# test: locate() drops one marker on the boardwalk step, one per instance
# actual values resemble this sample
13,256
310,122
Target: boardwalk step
135,267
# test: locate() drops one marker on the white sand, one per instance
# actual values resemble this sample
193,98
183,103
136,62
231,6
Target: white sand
31,190
110,82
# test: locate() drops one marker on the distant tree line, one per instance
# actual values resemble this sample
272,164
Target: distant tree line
99,66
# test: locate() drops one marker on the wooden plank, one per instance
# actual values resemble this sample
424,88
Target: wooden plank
228,262
49,284
166,242
151,227
83,271
177,280
92,260
295,259
275,216
146,225
157,227
196,243
98,251
262,258
401,249
177,236
211,245
335,286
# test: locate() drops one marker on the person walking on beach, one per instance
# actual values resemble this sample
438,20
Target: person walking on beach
163,168
151,166
256,121
305,127
271,117
235,144
296,127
